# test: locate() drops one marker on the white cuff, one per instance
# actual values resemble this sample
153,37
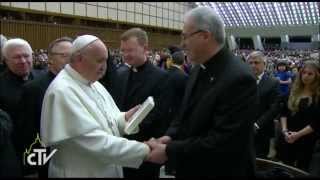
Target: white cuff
256,125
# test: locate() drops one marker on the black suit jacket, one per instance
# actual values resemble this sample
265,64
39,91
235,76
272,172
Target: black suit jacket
31,105
10,96
269,104
108,79
178,81
213,135
152,83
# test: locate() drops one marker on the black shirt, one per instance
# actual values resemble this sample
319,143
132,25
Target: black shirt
307,114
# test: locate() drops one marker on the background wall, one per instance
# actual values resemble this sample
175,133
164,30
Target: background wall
39,35
159,14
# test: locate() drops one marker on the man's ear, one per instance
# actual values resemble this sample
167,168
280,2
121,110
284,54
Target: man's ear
146,48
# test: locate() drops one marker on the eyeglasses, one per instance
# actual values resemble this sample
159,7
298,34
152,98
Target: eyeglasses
60,54
255,62
186,36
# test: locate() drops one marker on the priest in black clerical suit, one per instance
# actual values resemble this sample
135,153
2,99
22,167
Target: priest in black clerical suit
133,85
212,135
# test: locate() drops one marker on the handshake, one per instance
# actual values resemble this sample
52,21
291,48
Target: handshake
157,149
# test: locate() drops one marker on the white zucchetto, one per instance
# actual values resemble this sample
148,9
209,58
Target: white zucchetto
82,42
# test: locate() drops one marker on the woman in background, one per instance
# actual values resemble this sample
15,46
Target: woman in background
300,117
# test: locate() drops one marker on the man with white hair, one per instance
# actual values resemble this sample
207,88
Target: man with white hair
212,134
80,119
18,58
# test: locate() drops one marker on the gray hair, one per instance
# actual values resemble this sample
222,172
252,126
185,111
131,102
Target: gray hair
257,55
207,19
16,42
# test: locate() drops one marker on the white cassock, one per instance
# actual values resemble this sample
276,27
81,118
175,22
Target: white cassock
84,124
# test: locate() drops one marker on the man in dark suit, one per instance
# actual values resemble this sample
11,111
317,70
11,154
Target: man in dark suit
269,103
178,80
33,93
212,135
133,85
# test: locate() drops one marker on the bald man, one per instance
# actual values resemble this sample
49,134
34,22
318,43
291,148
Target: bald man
80,119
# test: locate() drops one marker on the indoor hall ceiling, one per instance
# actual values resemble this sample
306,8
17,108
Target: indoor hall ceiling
244,14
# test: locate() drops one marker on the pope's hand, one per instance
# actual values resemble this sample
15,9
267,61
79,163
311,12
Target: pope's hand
129,113
158,152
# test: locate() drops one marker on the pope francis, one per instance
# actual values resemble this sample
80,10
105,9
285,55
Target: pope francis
80,119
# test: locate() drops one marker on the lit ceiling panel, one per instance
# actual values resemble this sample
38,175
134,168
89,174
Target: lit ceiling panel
237,14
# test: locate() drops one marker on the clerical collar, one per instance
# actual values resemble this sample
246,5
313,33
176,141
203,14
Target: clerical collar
76,75
19,78
203,67
208,62
177,66
139,68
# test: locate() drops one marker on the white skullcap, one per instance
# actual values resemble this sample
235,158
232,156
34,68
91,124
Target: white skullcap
82,42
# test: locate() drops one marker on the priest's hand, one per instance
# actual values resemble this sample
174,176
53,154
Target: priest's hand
164,139
129,113
158,152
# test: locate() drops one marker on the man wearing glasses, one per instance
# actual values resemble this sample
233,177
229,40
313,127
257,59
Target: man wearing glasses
59,52
212,135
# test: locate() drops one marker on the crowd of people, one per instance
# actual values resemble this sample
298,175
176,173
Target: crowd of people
212,106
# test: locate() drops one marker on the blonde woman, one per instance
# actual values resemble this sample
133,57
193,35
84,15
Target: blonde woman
300,117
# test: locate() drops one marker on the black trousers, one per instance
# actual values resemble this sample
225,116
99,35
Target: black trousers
262,145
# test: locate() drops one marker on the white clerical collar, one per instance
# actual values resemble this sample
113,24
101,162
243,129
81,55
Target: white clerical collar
76,75
177,66
215,53
203,67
